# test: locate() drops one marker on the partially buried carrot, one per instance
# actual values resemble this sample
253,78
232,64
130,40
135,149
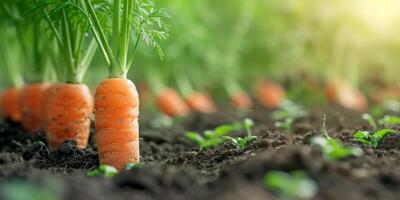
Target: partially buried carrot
269,94
116,98
31,106
170,103
9,104
241,101
67,113
117,118
201,102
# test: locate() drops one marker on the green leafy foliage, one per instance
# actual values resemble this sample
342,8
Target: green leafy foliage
390,120
103,170
21,190
372,139
131,166
333,149
241,143
213,138
294,185
287,114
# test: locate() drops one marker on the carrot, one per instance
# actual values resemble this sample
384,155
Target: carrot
170,103
67,114
30,103
117,99
117,118
201,102
9,104
270,94
341,93
241,101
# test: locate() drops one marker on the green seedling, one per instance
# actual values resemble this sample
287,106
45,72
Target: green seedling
213,138
131,166
287,124
372,139
294,185
333,149
241,143
287,114
371,120
22,190
389,120
382,122
103,170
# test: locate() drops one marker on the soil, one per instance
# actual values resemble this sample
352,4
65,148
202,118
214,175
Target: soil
175,168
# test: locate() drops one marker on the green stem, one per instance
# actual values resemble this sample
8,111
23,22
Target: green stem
124,38
68,55
116,26
115,70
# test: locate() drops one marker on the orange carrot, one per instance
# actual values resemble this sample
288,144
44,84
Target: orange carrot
117,118
201,102
67,113
241,101
9,104
30,103
170,103
270,94
341,93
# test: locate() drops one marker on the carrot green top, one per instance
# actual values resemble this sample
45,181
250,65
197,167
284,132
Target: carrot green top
67,24
131,19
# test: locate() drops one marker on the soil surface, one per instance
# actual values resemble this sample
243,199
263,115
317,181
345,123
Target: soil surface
175,168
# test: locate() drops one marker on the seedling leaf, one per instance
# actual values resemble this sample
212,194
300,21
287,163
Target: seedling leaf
372,139
296,185
103,170
390,120
333,149
131,166
371,121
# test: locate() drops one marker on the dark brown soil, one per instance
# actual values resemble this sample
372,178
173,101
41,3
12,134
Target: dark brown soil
175,168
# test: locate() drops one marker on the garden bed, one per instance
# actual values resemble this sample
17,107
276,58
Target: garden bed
175,168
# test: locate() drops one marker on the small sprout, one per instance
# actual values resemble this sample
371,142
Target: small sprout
213,138
131,166
241,143
286,124
296,185
103,170
370,119
287,114
289,110
333,149
372,139
389,120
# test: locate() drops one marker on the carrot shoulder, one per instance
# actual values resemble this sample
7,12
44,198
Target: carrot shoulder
67,113
117,122
10,104
170,103
31,106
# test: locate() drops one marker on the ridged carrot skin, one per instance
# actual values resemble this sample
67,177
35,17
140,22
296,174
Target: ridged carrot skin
117,122
10,104
270,94
31,106
241,101
67,113
201,102
170,103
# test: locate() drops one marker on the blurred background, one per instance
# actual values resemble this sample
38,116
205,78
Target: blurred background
227,46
